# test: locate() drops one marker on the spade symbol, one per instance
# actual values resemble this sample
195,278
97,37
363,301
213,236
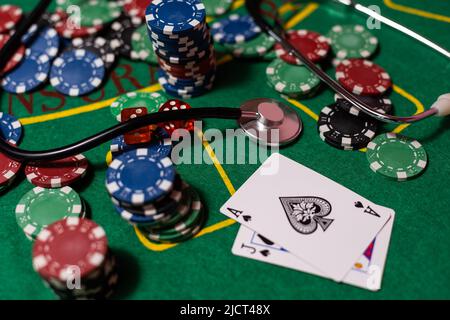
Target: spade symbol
247,218
265,252
358,204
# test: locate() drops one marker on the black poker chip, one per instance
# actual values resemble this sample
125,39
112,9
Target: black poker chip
344,129
98,45
381,105
121,34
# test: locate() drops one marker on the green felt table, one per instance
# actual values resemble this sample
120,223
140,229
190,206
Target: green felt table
204,268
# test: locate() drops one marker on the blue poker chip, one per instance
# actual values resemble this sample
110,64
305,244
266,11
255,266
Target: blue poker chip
77,72
177,58
45,40
31,73
235,29
186,89
188,85
171,17
160,145
137,178
194,37
10,128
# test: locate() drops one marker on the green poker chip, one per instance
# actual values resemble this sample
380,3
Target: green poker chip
253,48
217,7
396,157
150,100
40,207
291,79
98,12
352,41
141,46
185,227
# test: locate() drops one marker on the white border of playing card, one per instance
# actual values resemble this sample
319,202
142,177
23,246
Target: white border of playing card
370,280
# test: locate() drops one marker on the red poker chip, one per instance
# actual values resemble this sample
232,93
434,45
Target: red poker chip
16,58
8,169
311,44
9,17
57,173
172,105
363,77
68,244
136,8
65,28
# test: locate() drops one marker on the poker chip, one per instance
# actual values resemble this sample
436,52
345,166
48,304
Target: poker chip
10,128
17,56
160,145
363,77
68,243
136,8
396,157
344,129
40,207
291,79
77,72
30,74
234,29
257,47
151,101
381,105
57,173
176,16
136,219
98,45
121,35
166,205
136,177
312,45
98,12
45,41
8,169
9,16
141,46
187,223
352,41
217,7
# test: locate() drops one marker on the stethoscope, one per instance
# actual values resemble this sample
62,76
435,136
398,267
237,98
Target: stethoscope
260,119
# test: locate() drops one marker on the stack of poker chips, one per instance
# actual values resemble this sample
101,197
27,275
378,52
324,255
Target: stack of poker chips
11,132
73,259
52,199
148,193
182,41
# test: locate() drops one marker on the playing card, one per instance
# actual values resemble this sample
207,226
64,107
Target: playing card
365,273
315,218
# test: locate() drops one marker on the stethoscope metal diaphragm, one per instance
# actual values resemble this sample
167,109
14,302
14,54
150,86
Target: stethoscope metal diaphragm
275,123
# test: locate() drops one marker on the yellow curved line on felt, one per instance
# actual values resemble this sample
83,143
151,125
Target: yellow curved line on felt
78,110
417,12
163,247
303,14
216,162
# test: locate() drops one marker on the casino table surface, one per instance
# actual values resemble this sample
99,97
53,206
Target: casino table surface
204,268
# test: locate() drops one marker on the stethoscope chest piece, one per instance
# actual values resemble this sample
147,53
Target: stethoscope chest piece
270,122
